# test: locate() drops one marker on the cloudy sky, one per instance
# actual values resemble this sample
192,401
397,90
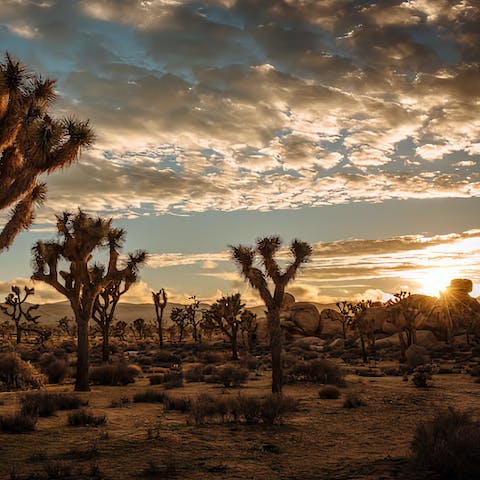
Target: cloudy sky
351,124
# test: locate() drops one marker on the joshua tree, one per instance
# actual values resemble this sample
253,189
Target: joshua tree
363,326
108,298
79,235
160,301
139,326
120,330
65,326
179,317
248,326
345,309
267,248
224,315
193,318
31,143
14,307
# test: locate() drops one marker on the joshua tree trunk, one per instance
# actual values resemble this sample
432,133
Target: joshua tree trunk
18,334
81,381
364,350
105,343
275,330
234,344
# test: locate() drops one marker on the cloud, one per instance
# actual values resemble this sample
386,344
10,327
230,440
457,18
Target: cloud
231,105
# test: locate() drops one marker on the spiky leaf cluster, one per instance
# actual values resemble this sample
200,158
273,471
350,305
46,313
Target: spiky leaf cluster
31,143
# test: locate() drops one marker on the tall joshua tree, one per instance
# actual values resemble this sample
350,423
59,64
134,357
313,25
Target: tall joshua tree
160,301
79,235
31,143
14,307
108,298
266,249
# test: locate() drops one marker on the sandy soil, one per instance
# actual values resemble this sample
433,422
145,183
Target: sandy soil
321,441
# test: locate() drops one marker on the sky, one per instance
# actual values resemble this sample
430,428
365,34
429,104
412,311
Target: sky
350,124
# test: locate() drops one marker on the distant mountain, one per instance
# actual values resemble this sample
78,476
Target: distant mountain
128,312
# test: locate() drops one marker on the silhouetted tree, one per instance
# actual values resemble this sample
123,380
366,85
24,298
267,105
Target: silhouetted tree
120,330
139,327
79,235
179,316
108,298
160,302
345,309
32,143
224,316
193,317
266,249
65,326
248,327
15,308
363,326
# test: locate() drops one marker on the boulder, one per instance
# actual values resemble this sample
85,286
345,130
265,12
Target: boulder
303,318
331,322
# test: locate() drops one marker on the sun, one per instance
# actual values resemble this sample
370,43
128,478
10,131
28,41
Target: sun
436,280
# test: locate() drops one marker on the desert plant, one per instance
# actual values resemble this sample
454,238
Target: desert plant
32,143
55,369
224,316
79,235
195,373
149,396
58,470
16,374
181,404
45,404
17,423
353,401
114,374
267,248
422,376
230,376
268,410
160,302
329,392
171,379
319,370
449,445
107,300
15,309
83,417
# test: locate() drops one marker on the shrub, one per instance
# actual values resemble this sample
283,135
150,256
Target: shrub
114,374
319,370
16,374
17,423
329,392
165,357
171,379
56,371
353,401
83,417
212,357
149,396
122,402
422,375
195,373
45,404
58,470
230,376
268,410
448,445
181,404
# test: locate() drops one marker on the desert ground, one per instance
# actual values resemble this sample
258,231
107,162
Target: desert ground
320,439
